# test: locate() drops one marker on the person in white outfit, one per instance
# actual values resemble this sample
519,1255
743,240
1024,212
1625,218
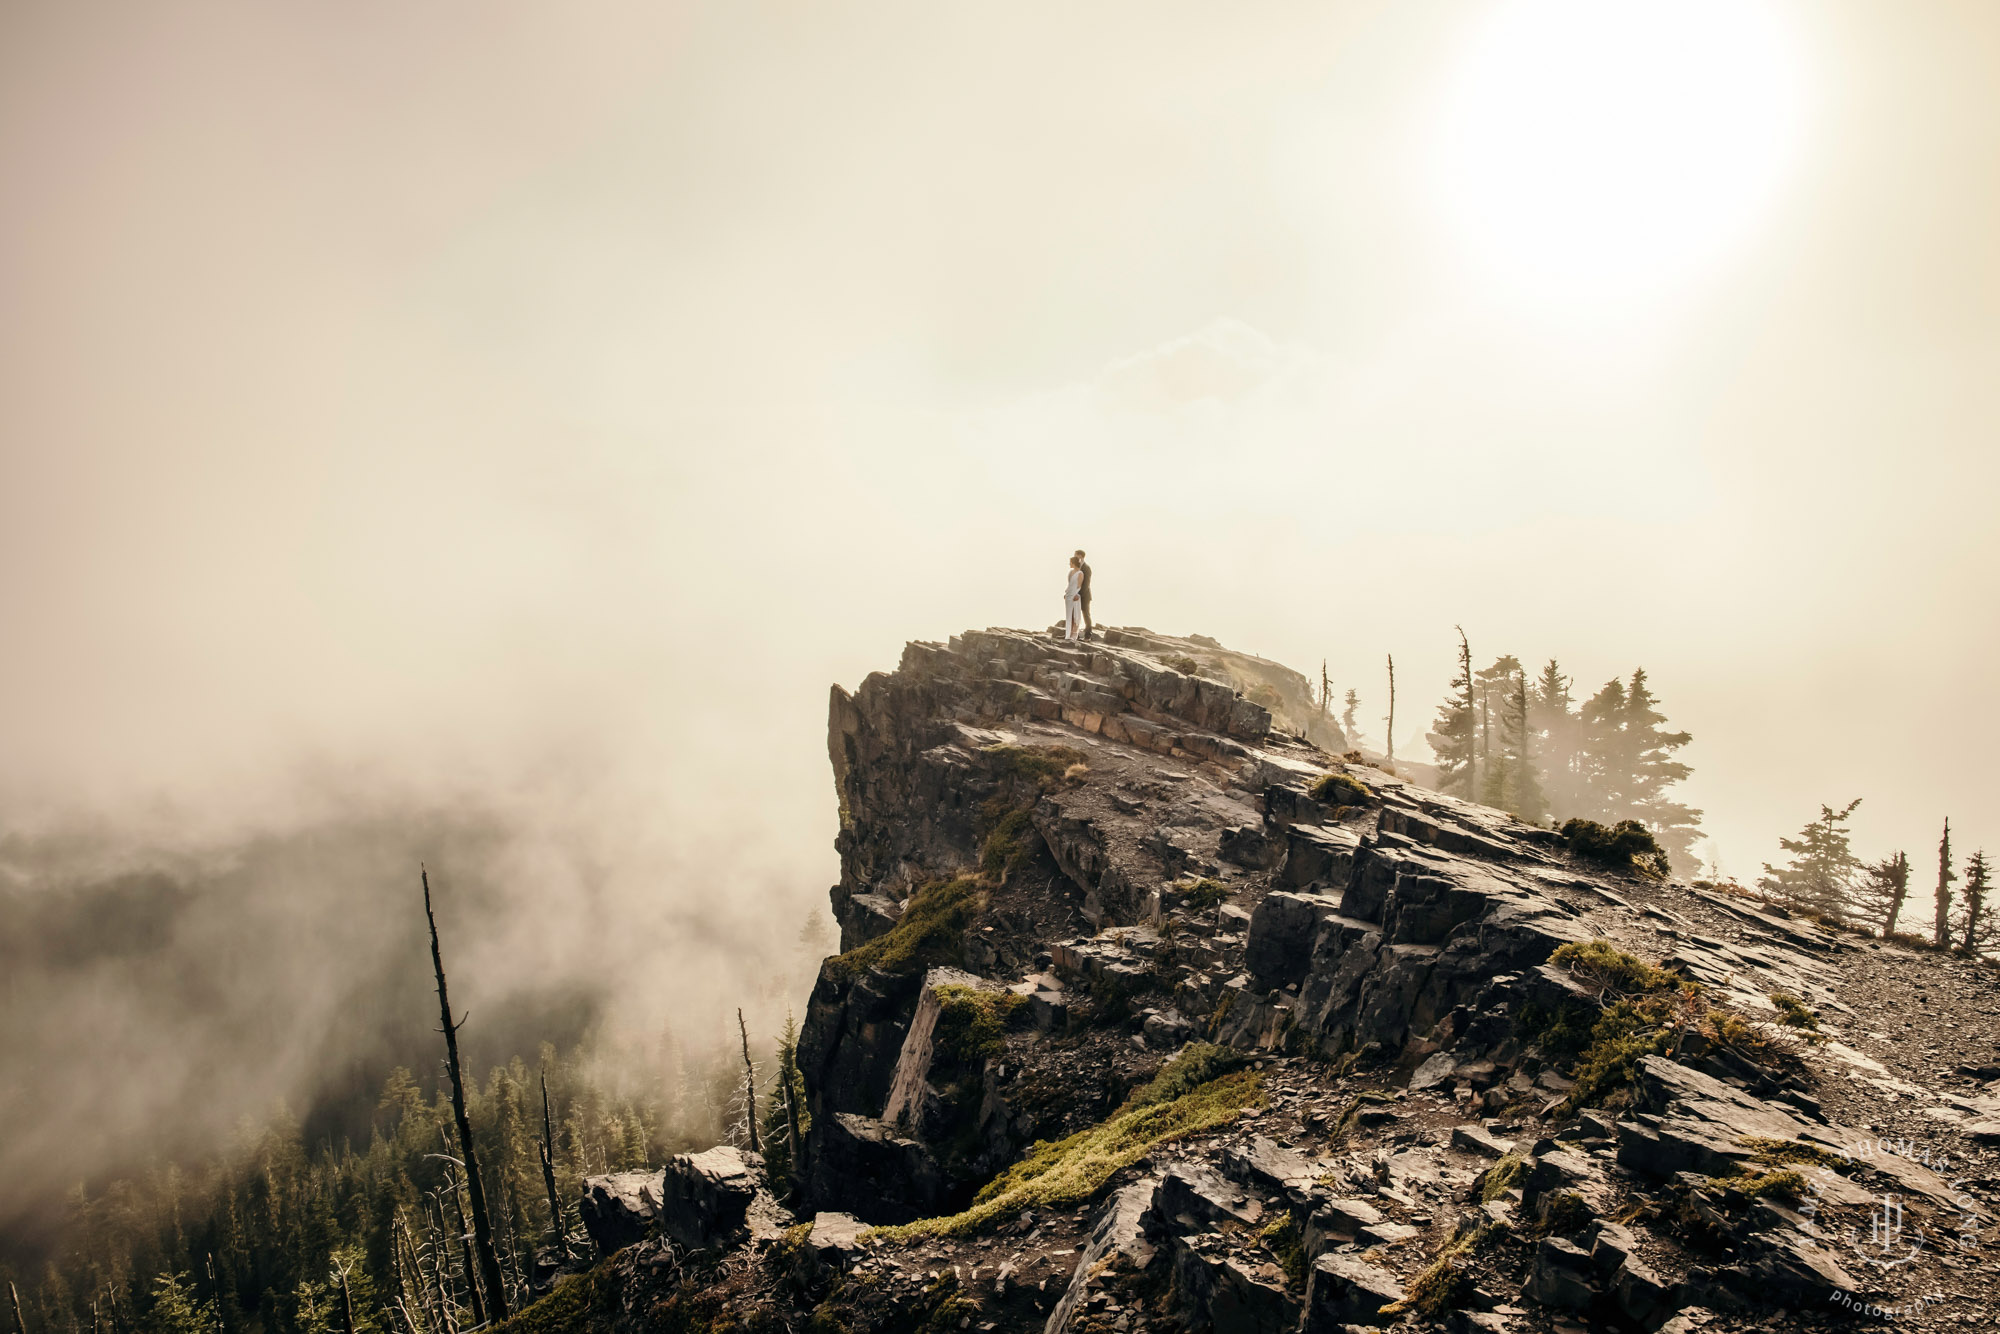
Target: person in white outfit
1073,601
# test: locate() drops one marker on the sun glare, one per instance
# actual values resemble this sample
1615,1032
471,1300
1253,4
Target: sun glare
1592,152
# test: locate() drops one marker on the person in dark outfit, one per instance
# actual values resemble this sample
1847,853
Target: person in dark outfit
1084,565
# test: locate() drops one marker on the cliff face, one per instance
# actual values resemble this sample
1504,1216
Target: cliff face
1152,1014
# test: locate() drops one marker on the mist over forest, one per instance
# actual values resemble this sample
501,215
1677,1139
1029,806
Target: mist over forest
474,437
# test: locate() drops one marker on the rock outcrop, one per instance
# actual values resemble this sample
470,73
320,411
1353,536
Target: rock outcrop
1151,1012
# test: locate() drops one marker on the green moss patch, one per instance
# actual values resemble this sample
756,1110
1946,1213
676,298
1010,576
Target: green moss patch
1287,1245
1793,1153
1625,846
931,931
1341,790
1794,1013
1187,1097
1201,894
1608,970
1446,1283
582,1302
1563,1213
972,1022
1502,1177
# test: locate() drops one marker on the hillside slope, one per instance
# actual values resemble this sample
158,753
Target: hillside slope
1150,1015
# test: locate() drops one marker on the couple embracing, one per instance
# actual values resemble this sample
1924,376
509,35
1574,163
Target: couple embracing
1076,600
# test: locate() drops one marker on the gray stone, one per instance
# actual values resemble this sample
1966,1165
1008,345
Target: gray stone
835,1239
1479,1140
1117,1241
1435,1070
1339,1221
1193,1197
620,1209
706,1197
1229,1294
1341,1290
1319,855
1267,1165
1563,1276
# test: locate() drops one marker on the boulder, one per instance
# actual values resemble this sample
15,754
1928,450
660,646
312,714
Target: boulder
1341,1290
706,1196
868,1170
1319,855
1230,1294
1266,1165
620,1209
1117,1242
1479,1140
1193,1198
1339,1221
1563,1276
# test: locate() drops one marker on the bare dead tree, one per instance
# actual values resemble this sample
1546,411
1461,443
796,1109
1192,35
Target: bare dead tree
749,1083
401,1272
215,1287
441,1269
14,1298
547,1146
482,1222
433,1317
341,1269
464,1231
1391,755
791,1126
1325,689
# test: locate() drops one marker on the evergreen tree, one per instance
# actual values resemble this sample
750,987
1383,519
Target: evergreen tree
1820,878
1942,922
176,1308
785,1118
1456,736
1496,746
1557,731
1885,886
1347,724
1626,762
1524,795
1976,926
1653,769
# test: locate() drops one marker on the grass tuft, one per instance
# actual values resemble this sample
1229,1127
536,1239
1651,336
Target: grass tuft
1794,1013
1445,1285
1608,970
1502,1177
1283,1239
1192,1093
1793,1153
1341,790
1627,845
930,931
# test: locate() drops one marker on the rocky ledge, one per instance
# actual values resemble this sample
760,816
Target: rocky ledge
1156,1010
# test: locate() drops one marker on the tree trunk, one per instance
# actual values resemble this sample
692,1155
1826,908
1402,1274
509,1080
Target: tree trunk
465,1250
1391,753
548,1155
749,1083
346,1300
1942,928
441,1273
14,1299
482,1222
791,1126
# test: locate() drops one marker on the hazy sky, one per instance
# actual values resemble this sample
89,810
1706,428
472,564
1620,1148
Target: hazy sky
540,404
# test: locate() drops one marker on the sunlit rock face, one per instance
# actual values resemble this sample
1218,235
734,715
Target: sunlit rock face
1152,1007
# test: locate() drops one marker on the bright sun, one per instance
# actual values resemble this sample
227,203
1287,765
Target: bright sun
1599,151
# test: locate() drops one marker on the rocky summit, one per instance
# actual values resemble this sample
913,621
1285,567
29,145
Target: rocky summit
1159,1008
